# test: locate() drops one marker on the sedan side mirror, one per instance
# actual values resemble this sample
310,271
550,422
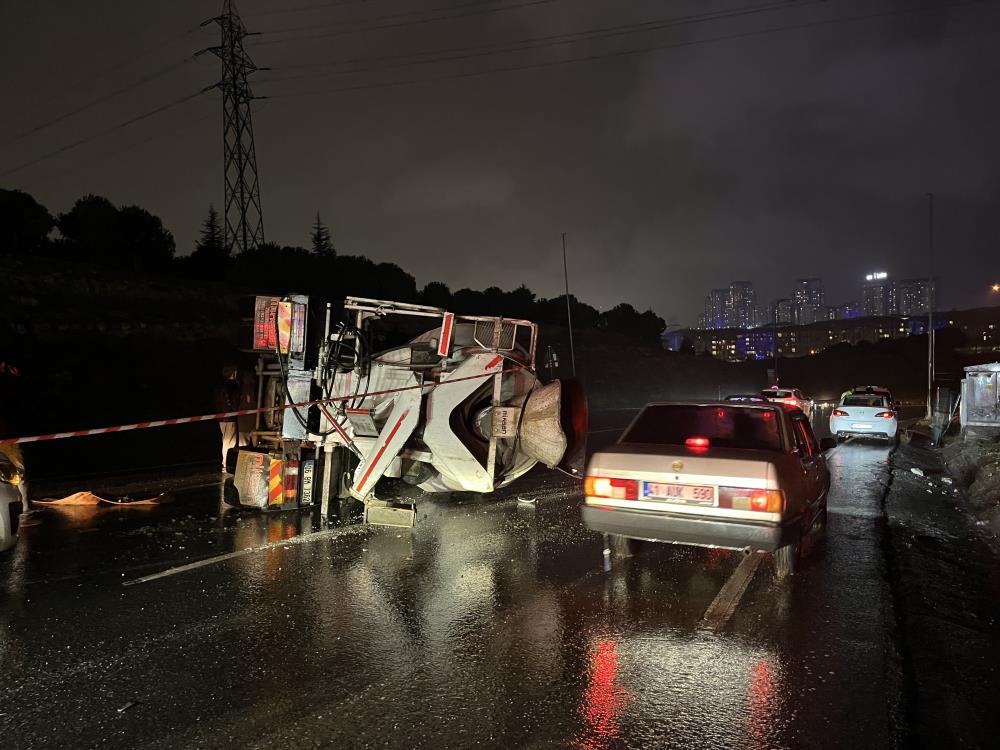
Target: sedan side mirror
827,444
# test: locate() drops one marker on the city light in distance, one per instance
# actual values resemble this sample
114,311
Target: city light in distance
877,276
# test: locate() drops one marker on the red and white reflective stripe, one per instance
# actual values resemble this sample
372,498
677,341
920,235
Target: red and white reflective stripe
381,450
445,343
243,412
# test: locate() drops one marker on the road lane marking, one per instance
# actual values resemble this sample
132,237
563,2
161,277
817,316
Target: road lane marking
725,602
302,539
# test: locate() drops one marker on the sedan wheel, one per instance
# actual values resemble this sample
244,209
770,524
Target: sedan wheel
786,560
623,546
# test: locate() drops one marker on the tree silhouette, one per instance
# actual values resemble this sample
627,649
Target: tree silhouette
436,294
210,258
129,237
554,311
88,230
143,242
24,223
625,319
211,243
320,236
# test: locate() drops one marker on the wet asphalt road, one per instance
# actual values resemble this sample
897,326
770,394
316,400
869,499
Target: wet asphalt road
489,624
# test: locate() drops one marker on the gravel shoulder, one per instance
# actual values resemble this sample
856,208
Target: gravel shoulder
945,568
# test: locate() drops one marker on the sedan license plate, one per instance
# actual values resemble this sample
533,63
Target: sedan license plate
681,493
859,426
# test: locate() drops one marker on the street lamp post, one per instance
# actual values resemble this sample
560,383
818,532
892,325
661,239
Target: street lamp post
930,304
569,311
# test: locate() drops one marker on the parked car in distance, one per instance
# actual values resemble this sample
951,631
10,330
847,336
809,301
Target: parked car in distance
749,398
869,415
13,500
789,397
730,475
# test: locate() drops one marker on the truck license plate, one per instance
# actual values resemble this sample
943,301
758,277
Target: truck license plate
681,493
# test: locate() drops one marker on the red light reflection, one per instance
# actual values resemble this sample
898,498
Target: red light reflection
603,699
762,723
716,557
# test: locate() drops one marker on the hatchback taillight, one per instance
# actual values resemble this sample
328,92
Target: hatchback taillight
840,413
616,489
886,414
744,498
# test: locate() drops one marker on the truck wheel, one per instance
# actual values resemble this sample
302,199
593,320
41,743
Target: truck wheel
786,560
623,546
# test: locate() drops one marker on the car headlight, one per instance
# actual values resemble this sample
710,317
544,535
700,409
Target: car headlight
10,474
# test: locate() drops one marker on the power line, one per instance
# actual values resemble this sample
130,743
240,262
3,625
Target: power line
497,48
114,154
630,52
102,99
390,16
119,151
148,49
106,131
304,8
400,24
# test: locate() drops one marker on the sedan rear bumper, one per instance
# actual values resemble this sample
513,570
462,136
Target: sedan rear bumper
684,529
844,427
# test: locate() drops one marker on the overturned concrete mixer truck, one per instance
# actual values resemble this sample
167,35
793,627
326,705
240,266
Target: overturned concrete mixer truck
445,402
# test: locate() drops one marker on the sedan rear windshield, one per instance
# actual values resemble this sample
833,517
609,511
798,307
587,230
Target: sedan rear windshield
864,401
776,394
723,426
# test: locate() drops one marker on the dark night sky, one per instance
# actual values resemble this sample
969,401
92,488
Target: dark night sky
805,152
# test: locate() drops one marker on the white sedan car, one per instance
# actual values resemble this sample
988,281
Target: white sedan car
791,397
869,415
13,500
736,476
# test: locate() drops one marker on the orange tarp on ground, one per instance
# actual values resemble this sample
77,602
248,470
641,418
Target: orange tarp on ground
89,498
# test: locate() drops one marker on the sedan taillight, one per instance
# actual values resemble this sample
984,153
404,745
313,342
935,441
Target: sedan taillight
616,489
840,413
743,498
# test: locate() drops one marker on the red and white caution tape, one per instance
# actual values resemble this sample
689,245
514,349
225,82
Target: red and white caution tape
240,412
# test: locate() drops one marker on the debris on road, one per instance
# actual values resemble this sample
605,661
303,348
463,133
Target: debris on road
87,498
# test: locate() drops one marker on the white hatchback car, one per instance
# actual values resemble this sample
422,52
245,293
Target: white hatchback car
864,415
13,500
737,476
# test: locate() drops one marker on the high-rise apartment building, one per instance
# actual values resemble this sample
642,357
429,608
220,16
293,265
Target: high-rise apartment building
744,304
782,312
719,308
878,295
809,299
914,296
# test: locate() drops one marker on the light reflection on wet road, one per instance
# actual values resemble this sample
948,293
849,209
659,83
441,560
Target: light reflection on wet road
489,624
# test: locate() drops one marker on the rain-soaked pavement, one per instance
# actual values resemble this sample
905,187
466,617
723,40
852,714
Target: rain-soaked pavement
490,624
